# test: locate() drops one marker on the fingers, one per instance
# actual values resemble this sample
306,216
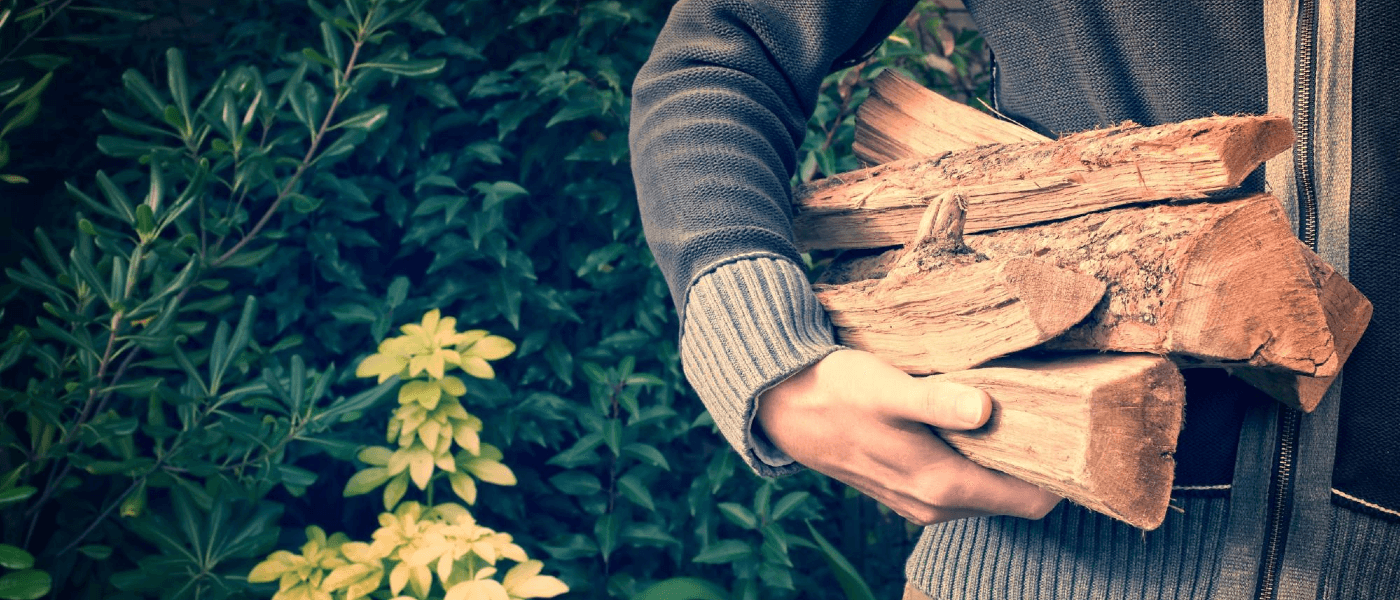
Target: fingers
922,400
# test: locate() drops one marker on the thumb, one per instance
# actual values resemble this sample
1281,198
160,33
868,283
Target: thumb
942,404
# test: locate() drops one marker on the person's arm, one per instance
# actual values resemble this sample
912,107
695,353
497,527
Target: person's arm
718,112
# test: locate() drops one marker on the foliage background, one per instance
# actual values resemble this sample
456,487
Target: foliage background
497,190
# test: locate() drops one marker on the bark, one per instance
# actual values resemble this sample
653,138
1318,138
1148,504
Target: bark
942,307
1209,283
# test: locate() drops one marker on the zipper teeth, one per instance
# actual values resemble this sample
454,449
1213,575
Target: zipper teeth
1302,122
1281,490
1287,450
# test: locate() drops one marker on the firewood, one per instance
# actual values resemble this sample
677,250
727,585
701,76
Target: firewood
1013,185
944,308
1209,283
1098,429
902,119
1348,314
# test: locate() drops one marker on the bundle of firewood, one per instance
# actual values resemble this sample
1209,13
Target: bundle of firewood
1120,251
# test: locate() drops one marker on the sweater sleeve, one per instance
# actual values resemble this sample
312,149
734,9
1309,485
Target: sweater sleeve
718,112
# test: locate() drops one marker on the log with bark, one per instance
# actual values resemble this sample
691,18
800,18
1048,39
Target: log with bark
1098,429
1210,283
1012,185
942,307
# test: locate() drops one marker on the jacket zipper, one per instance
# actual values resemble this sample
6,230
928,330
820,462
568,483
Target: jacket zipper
1289,421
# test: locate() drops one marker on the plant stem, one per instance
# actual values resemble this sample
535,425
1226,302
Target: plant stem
307,160
36,30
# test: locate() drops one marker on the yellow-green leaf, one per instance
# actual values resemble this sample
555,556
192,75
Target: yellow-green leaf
492,347
425,393
375,455
398,578
394,491
428,432
490,471
467,437
420,466
268,570
382,366
453,385
344,576
481,589
366,480
464,486
477,367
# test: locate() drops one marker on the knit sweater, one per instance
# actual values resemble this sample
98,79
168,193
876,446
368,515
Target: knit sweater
720,108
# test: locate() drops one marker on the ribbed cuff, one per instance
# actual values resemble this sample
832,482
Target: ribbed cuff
749,325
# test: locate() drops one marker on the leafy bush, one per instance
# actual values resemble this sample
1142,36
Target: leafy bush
420,540
474,160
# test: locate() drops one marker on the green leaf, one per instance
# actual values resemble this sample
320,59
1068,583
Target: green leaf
788,503
246,258
96,551
312,54
368,120
577,483
31,94
331,42
683,588
738,515
606,531
409,68
29,584
116,198
15,558
178,82
141,90
646,454
294,476
18,494
724,551
846,575
634,490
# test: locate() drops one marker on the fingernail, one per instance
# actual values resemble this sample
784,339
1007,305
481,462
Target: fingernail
970,409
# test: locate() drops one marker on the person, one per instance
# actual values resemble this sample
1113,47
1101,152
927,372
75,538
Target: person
1273,503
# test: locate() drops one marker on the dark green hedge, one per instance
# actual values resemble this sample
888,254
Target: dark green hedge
488,178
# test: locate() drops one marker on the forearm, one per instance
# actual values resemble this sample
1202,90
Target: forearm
718,113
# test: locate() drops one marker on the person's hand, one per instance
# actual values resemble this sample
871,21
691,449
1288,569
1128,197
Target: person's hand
856,418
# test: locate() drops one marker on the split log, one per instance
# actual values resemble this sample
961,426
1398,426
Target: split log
1210,283
1348,314
944,308
901,119
1013,185
1098,429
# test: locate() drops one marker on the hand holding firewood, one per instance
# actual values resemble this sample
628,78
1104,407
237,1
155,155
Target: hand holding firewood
855,418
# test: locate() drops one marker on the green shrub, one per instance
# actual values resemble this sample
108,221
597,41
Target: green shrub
479,167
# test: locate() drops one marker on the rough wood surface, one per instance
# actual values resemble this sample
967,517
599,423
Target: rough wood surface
902,119
1098,429
942,307
1012,185
1210,283
1348,314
